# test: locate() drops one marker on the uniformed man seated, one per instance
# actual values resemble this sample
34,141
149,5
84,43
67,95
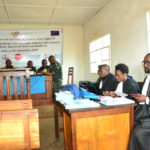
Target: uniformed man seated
8,65
56,69
30,65
44,69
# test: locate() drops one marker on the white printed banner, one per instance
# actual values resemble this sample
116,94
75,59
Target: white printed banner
35,45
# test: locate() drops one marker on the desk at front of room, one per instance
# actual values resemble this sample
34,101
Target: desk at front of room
40,88
102,128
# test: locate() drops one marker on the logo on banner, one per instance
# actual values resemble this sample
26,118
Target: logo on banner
18,56
14,34
54,33
5,57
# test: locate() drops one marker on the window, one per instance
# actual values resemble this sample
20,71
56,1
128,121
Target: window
99,51
148,29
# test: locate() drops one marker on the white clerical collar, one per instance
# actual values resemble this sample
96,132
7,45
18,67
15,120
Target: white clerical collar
145,86
120,87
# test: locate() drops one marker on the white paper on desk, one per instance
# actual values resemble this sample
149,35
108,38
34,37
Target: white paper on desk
81,103
121,94
110,101
63,96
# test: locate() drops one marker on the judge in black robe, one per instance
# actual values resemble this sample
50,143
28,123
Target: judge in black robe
140,138
124,83
105,81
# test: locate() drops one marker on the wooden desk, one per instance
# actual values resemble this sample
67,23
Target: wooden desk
103,128
38,99
47,97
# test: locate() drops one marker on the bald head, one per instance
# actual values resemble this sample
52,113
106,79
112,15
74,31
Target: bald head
146,63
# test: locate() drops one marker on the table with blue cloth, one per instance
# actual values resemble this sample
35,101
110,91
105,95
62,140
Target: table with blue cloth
40,88
37,85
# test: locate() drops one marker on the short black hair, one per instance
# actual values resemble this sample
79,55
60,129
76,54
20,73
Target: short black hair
147,55
44,60
123,68
30,61
7,60
52,56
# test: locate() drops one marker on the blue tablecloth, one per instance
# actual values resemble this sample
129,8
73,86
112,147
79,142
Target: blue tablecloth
37,85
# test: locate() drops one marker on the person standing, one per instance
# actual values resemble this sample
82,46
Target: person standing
56,69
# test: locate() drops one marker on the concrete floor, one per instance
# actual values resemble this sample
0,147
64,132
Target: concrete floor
47,132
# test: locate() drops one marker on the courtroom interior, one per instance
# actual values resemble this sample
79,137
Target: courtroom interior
74,75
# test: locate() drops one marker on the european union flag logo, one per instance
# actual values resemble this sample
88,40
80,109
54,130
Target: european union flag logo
54,33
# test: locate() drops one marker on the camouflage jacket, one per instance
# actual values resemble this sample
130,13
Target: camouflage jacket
56,70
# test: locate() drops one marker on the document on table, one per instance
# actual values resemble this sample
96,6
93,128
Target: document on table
110,101
81,103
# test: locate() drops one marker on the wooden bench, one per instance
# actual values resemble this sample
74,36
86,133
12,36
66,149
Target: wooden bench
15,105
13,74
19,130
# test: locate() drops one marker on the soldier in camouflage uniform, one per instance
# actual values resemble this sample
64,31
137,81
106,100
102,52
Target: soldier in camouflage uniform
56,70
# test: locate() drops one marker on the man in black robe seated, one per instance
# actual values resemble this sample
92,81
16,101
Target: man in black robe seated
105,81
124,83
140,139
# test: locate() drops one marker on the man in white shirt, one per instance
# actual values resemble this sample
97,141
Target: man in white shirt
140,139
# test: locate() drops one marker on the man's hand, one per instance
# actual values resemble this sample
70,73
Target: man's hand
140,98
106,93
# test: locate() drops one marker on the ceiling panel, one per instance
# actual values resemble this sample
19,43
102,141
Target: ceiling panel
67,22
3,13
32,2
41,11
76,13
4,21
30,21
21,13
81,3
1,2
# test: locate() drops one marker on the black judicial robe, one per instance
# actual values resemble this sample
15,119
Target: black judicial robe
107,84
130,86
140,138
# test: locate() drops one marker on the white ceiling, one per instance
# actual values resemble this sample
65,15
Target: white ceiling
56,12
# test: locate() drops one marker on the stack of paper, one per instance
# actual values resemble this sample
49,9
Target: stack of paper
110,101
66,98
66,95
81,103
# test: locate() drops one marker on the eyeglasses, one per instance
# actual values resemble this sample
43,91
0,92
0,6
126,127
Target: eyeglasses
146,62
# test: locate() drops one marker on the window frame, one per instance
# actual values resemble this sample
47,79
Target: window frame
100,49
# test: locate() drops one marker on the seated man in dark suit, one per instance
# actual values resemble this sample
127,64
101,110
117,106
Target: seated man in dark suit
30,65
105,81
44,69
140,139
124,83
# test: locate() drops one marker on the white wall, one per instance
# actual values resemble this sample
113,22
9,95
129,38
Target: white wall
126,21
72,50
